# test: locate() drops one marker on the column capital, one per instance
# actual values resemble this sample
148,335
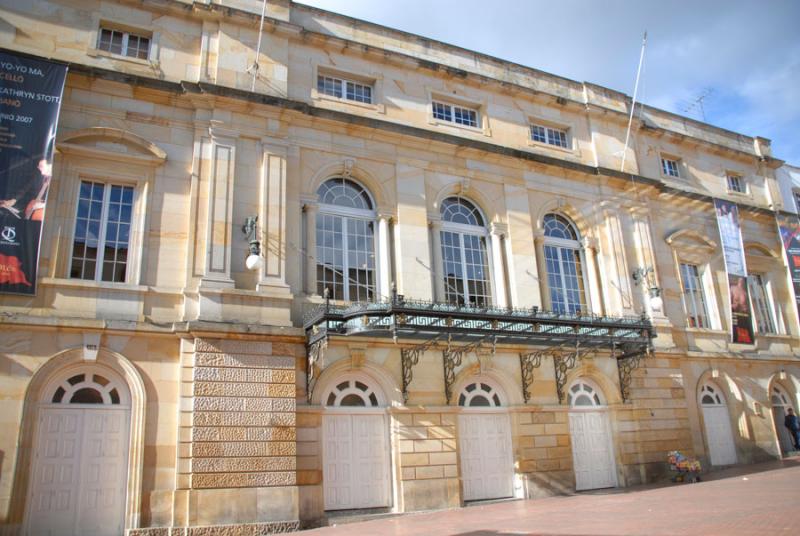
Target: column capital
498,229
589,242
385,216
309,204
435,223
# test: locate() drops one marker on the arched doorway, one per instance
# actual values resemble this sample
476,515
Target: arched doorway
355,446
781,402
484,434
590,433
79,475
717,424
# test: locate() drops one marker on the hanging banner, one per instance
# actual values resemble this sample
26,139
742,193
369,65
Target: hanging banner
30,100
789,228
733,250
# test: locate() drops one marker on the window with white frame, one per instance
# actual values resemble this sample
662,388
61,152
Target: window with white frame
762,305
342,88
453,113
464,257
670,167
124,43
345,235
736,183
564,265
549,135
102,232
694,297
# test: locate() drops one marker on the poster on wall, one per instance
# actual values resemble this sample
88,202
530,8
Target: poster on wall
733,251
789,228
30,100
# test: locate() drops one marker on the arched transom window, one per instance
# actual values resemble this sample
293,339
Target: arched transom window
479,395
710,395
778,397
345,241
87,388
352,393
564,264
464,257
583,395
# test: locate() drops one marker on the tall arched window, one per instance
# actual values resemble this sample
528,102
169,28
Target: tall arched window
345,241
464,258
564,265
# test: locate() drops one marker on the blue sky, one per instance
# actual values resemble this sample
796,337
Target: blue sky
744,55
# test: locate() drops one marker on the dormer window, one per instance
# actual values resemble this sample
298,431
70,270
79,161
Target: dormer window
342,88
736,184
670,167
453,113
549,136
124,43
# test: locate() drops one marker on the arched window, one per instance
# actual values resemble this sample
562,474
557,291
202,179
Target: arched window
564,265
710,395
779,397
464,258
583,395
479,395
345,241
87,387
352,393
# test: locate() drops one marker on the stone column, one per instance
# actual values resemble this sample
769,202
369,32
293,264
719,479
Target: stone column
384,264
310,208
438,262
496,235
595,296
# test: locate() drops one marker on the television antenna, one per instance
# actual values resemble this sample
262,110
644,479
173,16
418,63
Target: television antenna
696,104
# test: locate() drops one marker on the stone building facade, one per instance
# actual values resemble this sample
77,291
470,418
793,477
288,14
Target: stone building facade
440,231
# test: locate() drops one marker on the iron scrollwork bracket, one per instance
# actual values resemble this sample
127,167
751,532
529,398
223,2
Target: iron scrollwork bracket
452,358
565,362
316,355
626,366
409,358
527,363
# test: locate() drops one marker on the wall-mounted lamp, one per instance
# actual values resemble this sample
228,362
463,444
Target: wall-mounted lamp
250,229
782,375
646,276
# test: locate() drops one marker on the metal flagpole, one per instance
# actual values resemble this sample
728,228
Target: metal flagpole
633,103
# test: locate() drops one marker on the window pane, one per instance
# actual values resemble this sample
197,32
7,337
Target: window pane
442,111
761,304
694,297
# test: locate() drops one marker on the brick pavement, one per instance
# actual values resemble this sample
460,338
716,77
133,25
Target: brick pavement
761,499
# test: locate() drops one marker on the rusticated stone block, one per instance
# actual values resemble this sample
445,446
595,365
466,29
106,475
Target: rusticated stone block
239,465
281,390
215,388
243,480
243,404
255,418
244,449
240,433
287,349
244,375
233,346
255,529
283,376
203,359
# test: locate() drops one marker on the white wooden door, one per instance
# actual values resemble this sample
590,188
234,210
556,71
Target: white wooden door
719,435
355,461
79,472
487,470
592,451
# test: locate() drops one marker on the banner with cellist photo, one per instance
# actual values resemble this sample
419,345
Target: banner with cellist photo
30,100
730,232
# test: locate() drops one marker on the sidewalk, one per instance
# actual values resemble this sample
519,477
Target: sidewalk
761,499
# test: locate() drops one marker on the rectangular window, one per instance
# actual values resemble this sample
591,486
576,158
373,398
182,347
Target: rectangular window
550,136
735,184
670,167
124,43
455,114
761,303
694,297
344,89
102,232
